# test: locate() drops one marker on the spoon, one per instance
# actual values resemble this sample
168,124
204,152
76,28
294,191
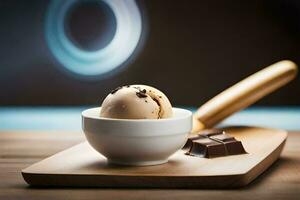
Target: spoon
243,94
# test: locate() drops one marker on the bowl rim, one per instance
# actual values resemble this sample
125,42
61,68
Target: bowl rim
180,123
186,114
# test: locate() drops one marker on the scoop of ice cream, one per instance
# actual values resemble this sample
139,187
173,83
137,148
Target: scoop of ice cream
136,102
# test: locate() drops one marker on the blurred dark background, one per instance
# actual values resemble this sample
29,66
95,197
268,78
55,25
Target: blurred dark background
192,50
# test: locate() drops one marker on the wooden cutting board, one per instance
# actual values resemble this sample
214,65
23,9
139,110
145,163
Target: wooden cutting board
81,166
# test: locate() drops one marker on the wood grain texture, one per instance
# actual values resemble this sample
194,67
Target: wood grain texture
84,167
281,181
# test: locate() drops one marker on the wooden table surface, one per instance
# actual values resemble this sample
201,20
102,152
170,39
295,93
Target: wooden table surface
18,150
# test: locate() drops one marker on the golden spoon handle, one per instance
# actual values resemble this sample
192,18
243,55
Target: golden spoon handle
244,93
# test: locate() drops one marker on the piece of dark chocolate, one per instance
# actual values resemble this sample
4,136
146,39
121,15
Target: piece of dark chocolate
207,148
188,143
213,143
233,146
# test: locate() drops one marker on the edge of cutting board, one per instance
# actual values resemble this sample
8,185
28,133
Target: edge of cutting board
150,181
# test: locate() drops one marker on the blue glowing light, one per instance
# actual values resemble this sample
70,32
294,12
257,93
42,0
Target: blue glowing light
91,63
45,118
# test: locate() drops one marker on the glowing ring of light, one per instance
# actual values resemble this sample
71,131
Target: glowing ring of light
90,63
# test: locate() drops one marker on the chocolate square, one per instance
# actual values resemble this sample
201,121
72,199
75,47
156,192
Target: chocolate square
205,147
234,147
213,143
189,141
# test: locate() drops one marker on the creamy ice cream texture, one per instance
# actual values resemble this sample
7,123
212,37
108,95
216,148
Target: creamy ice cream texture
136,102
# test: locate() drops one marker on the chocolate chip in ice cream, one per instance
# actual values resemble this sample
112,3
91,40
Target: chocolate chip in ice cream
141,93
115,90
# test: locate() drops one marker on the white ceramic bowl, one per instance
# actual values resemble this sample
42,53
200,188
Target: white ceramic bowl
136,142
